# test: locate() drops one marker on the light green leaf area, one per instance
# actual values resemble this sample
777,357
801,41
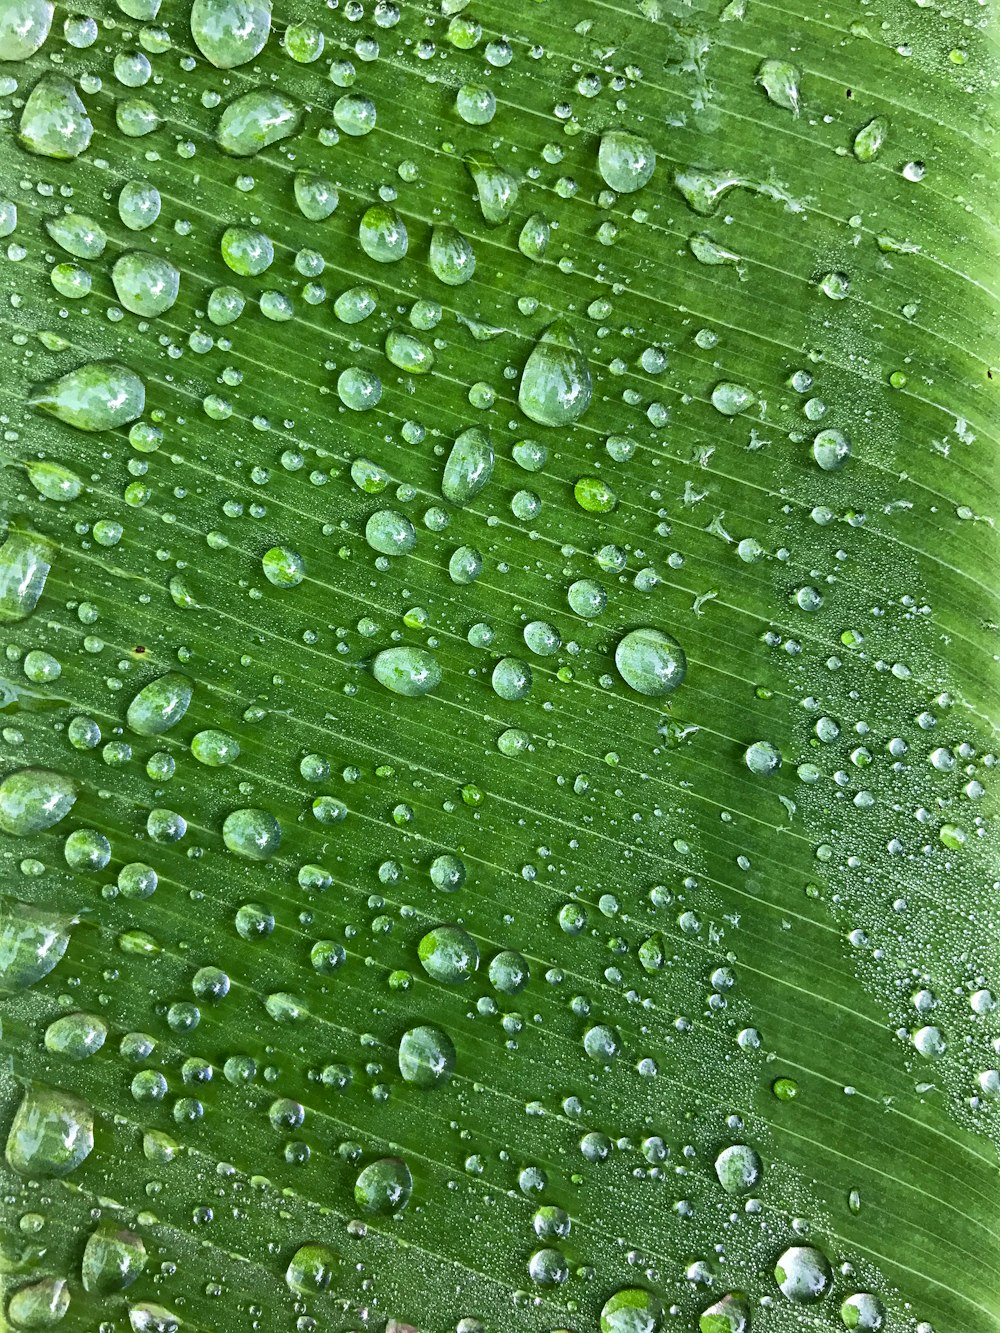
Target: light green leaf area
498,598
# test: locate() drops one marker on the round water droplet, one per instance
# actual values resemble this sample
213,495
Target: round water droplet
251,833
804,1275
426,1057
408,671
632,1310
160,705
384,1186
449,954
54,121
230,32
739,1169
626,161
651,662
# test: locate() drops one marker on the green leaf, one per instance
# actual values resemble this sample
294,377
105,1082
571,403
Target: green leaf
499,698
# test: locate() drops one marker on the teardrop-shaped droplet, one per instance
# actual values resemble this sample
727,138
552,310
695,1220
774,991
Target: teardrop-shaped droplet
230,32
452,258
76,1036
24,26
101,395
469,466
54,481
33,799
25,560
160,705
32,941
51,1133
534,238
41,1304
78,235
870,138
112,1259
54,122
626,161
497,188
311,1269
256,120
146,284
556,386
780,80
316,197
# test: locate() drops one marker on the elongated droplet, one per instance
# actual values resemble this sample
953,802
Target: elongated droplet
704,189
780,80
54,122
870,138
556,386
51,1134
32,941
160,705
469,467
33,799
78,235
230,32
255,121
408,671
25,560
497,188
99,396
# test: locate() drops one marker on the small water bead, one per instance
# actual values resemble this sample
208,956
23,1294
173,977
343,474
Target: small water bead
448,954
139,205
732,399
230,33
739,1169
556,385
283,567
160,704
54,121
632,1310
255,121
411,672
247,251
513,742
384,1186
358,389
408,352
252,833
651,662
51,1134
426,1057
98,396
626,161
804,1275
863,1312
383,235
71,281
225,305
831,449
780,80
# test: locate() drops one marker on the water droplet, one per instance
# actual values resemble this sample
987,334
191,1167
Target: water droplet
556,385
78,235
101,395
230,32
803,1274
426,1057
160,705
54,122
112,1259
651,662
32,941
252,833
311,1269
33,799
632,1310
626,161
24,26
146,284
780,81
739,1169
451,257
497,189
469,467
41,1304
870,138
449,954
25,560
51,1133
384,1186
256,120
408,671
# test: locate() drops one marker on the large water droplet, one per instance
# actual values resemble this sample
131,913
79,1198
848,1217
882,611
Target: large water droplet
160,705
497,188
112,1259
803,1274
556,386
54,122
426,1057
51,1134
101,395
650,661
469,466
626,161
25,560
408,671
255,121
33,799
146,284
230,32
32,941
24,26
